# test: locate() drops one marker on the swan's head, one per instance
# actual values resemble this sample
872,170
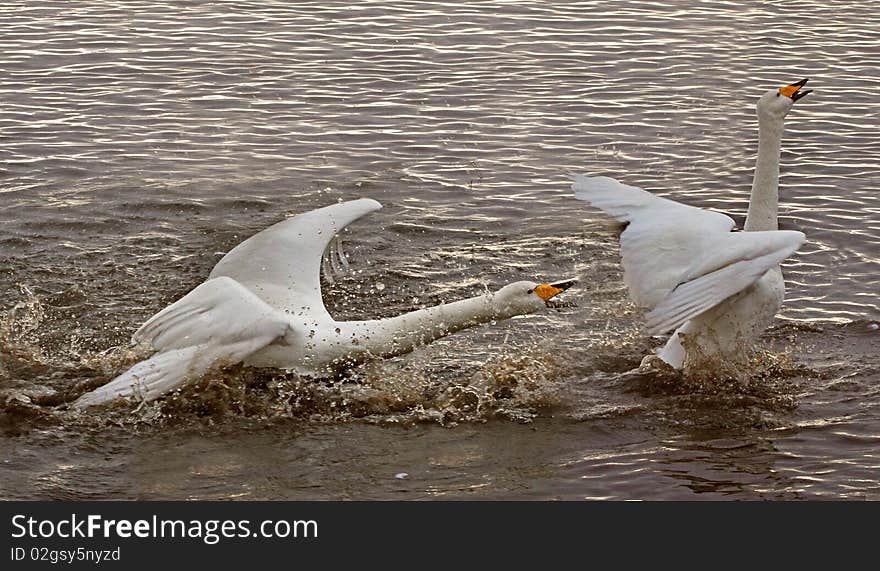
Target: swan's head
524,297
776,103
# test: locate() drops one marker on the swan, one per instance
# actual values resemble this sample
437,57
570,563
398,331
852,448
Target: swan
717,290
261,305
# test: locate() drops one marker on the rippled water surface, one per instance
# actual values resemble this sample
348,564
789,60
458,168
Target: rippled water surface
140,141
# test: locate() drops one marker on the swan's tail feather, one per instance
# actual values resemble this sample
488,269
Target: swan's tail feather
152,378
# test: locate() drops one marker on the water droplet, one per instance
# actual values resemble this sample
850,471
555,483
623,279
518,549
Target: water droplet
380,286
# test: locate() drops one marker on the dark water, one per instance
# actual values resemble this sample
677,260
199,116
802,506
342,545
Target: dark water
140,141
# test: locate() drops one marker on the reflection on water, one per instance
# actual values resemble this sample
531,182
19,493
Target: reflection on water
138,142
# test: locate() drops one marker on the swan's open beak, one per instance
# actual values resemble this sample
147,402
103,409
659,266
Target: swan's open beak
549,291
793,91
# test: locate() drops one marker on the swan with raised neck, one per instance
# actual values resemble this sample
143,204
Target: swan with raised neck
772,108
717,290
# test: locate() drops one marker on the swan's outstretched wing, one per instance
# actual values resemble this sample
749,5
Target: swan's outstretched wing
282,264
218,323
632,204
662,238
680,260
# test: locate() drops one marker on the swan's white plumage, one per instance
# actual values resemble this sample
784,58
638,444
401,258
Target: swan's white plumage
653,267
743,267
220,311
151,378
720,289
262,306
680,261
244,306
219,322
282,264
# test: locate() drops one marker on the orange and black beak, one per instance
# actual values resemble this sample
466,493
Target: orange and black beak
794,91
549,291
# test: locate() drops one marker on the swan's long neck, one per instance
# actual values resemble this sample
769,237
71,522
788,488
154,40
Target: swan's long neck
764,201
396,335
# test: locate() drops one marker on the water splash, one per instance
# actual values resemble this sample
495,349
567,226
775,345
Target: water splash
19,349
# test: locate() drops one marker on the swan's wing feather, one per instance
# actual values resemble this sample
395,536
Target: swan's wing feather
662,238
282,264
630,204
219,311
218,323
739,264
148,379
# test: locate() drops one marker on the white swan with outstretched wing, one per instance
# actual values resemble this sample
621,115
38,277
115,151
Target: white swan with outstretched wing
679,261
686,266
245,305
262,306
